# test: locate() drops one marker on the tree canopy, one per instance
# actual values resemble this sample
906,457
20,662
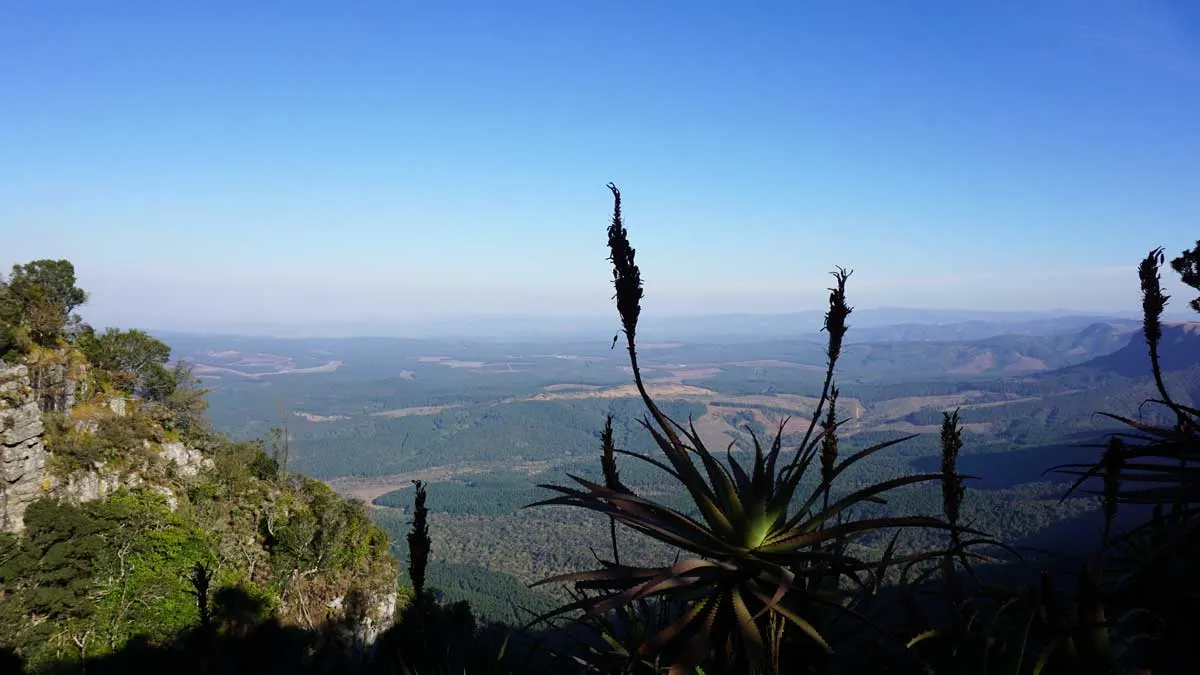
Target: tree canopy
37,302
135,360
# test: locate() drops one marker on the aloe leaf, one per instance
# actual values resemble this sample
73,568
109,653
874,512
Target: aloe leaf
748,627
776,446
798,621
649,460
681,627
798,538
921,637
855,498
740,477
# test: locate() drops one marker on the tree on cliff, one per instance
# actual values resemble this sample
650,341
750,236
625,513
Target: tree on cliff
37,304
1187,265
134,359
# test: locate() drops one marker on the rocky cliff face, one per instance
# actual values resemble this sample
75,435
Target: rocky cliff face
361,605
23,473
22,454
365,615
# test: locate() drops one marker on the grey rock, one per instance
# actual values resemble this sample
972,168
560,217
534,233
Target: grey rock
22,454
188,461
23,475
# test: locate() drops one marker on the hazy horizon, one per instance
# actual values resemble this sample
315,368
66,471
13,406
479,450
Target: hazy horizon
709,326
393,163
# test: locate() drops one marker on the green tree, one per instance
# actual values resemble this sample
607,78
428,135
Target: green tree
1187,265
186,403
50,582
134,361
8,328
37,302
144,588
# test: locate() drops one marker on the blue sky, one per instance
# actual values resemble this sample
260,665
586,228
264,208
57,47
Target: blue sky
225,162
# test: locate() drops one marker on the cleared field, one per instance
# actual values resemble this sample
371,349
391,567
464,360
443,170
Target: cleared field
419,410
205,369
368,489
661,390
319,418
572,387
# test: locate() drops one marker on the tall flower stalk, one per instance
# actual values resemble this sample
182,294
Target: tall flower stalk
612,477
953,492
829,445
418,541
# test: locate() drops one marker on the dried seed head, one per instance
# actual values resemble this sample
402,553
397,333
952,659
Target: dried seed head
829,439
835,318
953,490
627,279
1153,299
608,457
418,540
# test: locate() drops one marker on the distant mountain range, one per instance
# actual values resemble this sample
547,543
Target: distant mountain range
888,324
1178,350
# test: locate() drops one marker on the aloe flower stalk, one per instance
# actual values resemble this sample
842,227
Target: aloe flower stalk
829,444
419,541
835,327
612,477
1154,301
953,492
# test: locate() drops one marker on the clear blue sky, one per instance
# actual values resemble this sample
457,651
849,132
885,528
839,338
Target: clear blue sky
235,161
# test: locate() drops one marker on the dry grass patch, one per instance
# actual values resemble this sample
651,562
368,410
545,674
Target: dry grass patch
980,363
678,376
418,410
899,407
572,387
320,418
773,363
662,390
206,369
1025,364
370,488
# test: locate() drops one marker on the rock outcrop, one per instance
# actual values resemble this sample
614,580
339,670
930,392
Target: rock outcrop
365,615
362,604
23,478
188,462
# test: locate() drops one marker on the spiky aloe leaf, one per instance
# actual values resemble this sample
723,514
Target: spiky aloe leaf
815,496
802,539
646,516
867,494
800,622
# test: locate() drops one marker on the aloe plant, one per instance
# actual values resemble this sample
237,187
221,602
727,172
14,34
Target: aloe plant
759,540
1150,568
1150,465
